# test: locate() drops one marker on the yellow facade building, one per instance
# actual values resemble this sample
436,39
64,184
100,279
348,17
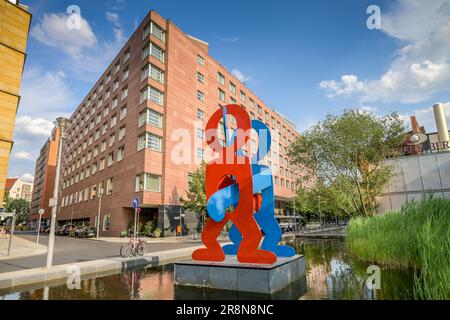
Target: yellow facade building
14,28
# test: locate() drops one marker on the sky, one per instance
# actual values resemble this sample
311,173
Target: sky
304,58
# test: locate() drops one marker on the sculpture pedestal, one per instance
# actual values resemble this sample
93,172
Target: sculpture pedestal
235,276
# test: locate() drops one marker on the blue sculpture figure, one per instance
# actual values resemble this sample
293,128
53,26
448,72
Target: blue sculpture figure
262,184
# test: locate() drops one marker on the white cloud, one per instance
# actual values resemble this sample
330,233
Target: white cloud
346,86
23,155
33,127
45,95
52,31
421,66
112,17
240,76
230,40
27,177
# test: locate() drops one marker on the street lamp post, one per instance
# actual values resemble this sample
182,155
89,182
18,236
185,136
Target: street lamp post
60,123
100,194
11,234
41,212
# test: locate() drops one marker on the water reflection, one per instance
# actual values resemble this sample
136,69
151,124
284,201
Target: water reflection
332,274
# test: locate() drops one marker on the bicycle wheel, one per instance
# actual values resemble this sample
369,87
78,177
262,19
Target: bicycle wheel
141,248
125,250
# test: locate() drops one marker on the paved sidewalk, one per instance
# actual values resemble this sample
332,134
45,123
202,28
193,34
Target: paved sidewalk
20,248
184,239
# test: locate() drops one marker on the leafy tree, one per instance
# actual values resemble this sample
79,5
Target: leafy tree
196,195
22,208
344,158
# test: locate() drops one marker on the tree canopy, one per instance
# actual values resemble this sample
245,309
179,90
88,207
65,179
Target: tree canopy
343,158
196,195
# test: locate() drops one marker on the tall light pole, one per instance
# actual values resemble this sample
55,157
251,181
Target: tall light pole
41,212
60,123
100,194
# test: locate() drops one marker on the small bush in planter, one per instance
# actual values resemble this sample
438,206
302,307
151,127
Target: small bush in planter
123,233
157,233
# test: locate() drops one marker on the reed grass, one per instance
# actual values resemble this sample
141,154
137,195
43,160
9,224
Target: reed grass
417,237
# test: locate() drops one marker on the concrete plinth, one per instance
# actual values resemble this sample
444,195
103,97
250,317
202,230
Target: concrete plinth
235,276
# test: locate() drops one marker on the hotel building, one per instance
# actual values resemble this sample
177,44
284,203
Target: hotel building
124,138
14,27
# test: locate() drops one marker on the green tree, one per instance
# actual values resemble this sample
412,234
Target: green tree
345,155
196,195
22,208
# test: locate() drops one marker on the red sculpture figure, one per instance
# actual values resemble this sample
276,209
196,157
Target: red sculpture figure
223,172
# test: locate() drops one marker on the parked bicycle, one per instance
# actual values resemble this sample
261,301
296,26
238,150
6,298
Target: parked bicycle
135,247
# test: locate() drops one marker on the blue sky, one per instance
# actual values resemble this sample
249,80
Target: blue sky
303,58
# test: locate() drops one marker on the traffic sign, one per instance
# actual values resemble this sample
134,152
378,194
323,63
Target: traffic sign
52,202
136,202
41,212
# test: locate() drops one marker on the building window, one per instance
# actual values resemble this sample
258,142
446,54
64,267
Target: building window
109,186
112,139
106,222
102,164
221,95
148,182
152,94
242,96
122,131
200,60
200,77
105,127
113,121
124,93
117,67
121,153
103,146
221,78
200,114
200,153
154,51
126,74
260,109
232,88
110,159
153,72
200,96
114,103
123,112
149,141
232,100
200,133
155,30
93,192
151,117
126,56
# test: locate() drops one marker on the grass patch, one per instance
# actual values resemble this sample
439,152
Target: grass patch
417,237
